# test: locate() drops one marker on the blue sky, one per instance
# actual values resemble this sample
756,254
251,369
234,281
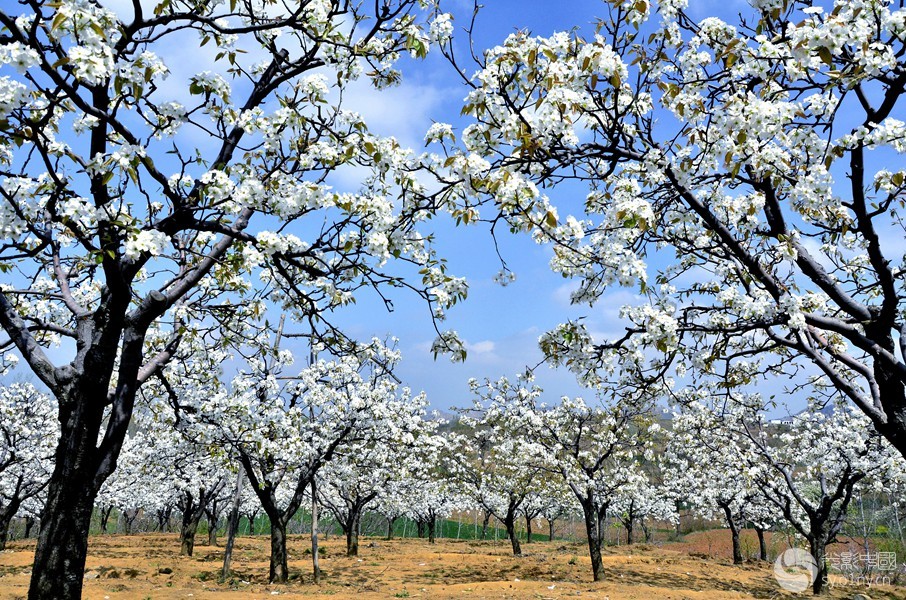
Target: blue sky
500,324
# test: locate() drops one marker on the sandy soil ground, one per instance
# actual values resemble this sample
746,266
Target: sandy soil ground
144,567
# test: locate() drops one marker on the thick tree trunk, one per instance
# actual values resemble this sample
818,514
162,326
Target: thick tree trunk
279,572
484,525
430,525
818,547
528,529
63,537
629,523
4,529
187,533
352,532
762,546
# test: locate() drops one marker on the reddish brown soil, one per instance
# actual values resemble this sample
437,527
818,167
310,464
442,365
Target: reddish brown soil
129,568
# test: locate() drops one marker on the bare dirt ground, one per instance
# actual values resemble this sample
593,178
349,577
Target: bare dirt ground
144,567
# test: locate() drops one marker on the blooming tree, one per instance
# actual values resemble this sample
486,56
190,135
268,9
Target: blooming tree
592,448
364,470
809,471
495,466
130,201
28,427
286,427
736,175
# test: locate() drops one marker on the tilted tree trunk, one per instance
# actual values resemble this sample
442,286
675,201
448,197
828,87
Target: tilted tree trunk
592,530
509,522
734,532
315,567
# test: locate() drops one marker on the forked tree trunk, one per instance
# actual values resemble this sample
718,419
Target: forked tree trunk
129,518
187,532
105,517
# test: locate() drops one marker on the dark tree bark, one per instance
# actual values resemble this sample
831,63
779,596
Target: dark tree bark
163,518
528,529
29,526
4,529
212,514
129,518
187,532
431,524
762,546
550,530
352,533
390,522
279,571
818,547
105,517
594,518
193,508
509,523
733,524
